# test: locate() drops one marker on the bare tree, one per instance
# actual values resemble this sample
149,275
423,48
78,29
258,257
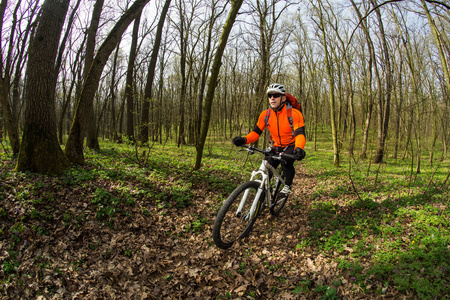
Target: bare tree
310,78
384,96
205,63
445,64
272,37
319,9
348,60
88,122
129,87
398,97
151,74
112,92
371,64
184,35
163,117
5,82
235,6
75,71
8,101
74,146
415,74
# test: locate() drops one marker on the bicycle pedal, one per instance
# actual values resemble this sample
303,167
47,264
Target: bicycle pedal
279,199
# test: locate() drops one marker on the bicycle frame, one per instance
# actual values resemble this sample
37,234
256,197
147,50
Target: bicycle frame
263,171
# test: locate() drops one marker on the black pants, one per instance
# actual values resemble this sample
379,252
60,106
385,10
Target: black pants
288,166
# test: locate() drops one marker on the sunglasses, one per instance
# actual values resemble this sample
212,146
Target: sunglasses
274,95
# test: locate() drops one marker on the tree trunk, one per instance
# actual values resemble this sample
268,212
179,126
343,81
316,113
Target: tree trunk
263,81
40,150
10,109
352,114
112,91
67,101
88,121
235,6
63,43
398,110
332,97
206,62
434,122
74,146
439,40
129,87
183,47
371,64
151,75
350,91
415,78
384,102
9,116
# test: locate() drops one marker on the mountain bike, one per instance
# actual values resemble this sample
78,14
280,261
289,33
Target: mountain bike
240,210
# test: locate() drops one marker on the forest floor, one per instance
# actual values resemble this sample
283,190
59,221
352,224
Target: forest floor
84,238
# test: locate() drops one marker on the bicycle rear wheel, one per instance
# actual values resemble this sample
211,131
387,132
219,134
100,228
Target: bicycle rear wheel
278,203
230,227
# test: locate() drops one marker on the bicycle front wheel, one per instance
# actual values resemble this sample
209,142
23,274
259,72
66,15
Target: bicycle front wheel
230,226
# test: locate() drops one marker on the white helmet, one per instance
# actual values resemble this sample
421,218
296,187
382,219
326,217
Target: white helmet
276,88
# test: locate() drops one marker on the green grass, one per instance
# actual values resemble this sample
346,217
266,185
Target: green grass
391,224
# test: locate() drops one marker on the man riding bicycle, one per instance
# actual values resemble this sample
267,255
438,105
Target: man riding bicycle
286,137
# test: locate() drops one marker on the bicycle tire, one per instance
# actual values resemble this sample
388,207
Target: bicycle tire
278,204
228,227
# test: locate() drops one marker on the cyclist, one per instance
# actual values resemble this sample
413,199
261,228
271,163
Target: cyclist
285,138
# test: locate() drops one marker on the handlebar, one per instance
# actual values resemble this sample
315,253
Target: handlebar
267,152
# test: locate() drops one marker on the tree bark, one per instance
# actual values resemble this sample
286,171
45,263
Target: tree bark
40,151
384,102
74,146
8,110
151,75
445,68
350,90
183,49
371,64
206,62
112,91
235,6
415,75
129,87
88,122
398,109
75,69
332,96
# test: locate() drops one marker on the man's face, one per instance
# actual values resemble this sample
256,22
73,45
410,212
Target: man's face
275,100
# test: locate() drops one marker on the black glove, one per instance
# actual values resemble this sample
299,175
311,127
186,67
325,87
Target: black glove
239,141
299,153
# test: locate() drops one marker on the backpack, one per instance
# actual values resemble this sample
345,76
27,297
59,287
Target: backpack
291,102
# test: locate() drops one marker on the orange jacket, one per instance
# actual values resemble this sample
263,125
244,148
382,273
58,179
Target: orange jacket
280,129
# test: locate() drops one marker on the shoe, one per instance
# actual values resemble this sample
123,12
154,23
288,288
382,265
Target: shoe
285,191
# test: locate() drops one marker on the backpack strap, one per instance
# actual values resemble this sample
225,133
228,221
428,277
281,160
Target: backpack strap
289,116
266,118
